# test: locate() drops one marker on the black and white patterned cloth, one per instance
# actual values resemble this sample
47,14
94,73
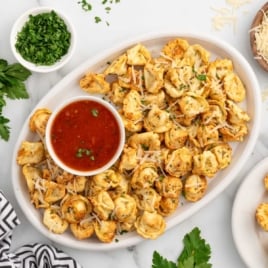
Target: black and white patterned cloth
28,256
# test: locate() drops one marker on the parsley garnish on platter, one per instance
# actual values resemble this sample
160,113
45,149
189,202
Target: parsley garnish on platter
195,254
12,86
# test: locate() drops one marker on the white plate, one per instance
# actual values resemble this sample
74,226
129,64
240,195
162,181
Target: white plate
250,240
69,86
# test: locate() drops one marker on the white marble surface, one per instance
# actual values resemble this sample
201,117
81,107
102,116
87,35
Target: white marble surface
128,19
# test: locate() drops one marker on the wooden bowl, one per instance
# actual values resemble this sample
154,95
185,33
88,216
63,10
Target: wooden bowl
257,21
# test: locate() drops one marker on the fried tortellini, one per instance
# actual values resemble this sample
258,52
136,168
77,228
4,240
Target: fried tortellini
150,225
261,211
181,112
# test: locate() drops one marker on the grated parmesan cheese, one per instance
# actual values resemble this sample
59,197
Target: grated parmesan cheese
238,3
224,16
264,94
227,15
261,38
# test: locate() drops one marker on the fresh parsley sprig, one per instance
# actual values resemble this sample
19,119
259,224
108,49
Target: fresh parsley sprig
12,77
195,254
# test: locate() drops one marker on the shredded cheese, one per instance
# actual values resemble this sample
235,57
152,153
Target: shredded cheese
224,16
264,95
173,63
238,3
227,15
261,38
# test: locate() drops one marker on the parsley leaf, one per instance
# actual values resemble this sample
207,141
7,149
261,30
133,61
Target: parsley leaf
160,262
4,128
12,77
195,254
196,247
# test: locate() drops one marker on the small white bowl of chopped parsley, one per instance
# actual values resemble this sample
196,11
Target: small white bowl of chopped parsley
42,39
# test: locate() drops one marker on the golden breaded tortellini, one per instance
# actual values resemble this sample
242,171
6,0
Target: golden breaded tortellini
103,181
234,87
128,159
236,115
207,134
265,181
175,49
54,191
168,205
105,230
179,162
150,225
169,187
176,137
196,56
144,176
261,211
82,230
216,113
262,216
31,153
195,187
183,113
223,152
75,208
103,205
38,121
132,109
220,68
138,55
147,199
125,208
157,120
118,66
153,77
31,175
76,185
192,104
205,164
94,83
235,133
173,84
147,140
54,222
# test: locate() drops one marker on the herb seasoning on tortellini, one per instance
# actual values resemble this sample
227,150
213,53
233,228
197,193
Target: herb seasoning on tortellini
181,112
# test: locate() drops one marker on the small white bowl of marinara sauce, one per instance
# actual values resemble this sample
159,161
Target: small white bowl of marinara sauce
85,135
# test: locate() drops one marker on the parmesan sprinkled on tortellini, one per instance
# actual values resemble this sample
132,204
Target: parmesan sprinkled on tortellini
182,112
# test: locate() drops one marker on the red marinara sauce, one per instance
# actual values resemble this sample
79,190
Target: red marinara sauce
85,135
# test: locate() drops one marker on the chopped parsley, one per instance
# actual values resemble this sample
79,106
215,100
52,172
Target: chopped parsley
201,77
97,19
44,39
95,112
107,7
83,152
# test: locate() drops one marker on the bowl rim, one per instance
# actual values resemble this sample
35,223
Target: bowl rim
115,114
20,22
